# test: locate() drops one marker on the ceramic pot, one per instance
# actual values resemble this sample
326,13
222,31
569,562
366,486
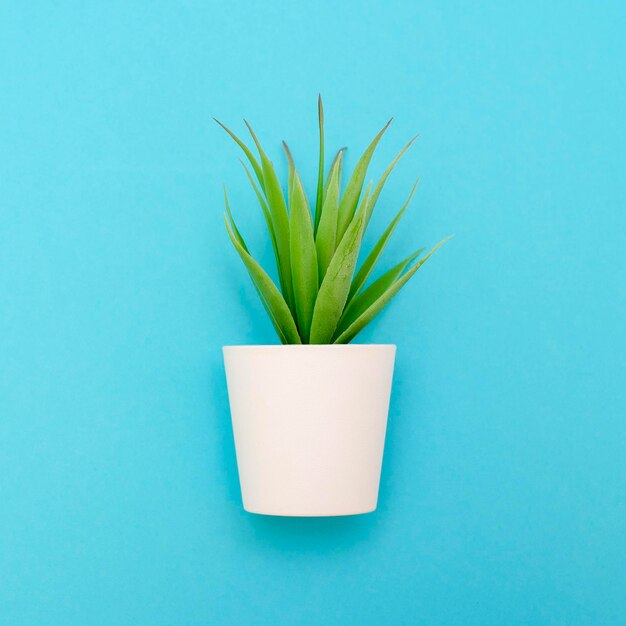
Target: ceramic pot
309,424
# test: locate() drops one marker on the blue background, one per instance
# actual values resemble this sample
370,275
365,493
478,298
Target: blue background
503,491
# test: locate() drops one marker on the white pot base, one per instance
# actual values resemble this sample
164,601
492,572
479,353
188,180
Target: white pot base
302,514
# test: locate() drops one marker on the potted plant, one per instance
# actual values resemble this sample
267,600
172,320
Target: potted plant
309,416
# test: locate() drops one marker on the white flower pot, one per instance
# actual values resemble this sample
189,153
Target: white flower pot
309,425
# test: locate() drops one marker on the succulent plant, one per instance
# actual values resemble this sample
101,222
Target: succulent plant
323,298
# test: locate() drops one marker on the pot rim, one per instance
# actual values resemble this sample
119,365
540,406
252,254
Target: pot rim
310,346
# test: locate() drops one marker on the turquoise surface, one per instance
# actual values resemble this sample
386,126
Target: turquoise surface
502,495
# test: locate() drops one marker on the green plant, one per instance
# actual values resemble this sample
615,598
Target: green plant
322,298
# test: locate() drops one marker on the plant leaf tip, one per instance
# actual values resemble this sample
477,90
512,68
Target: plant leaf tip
245,121
287,152
220,123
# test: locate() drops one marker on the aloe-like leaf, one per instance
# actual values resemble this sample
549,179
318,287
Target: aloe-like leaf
303,260
336,162
255,164
325,238
272,299
350,198
232,222
378,305
368,265
383,180
303,253
335,287
319,198
280,220
361,302
266,212
290,174
324,298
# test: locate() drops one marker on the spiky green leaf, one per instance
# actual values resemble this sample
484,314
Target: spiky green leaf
350,198
368,265
325,239
280,221
272,300
303,253
266,212
336,163
319,197
231,221
255,164
291,171
383,180
360,303
378,305
335,287
303,259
